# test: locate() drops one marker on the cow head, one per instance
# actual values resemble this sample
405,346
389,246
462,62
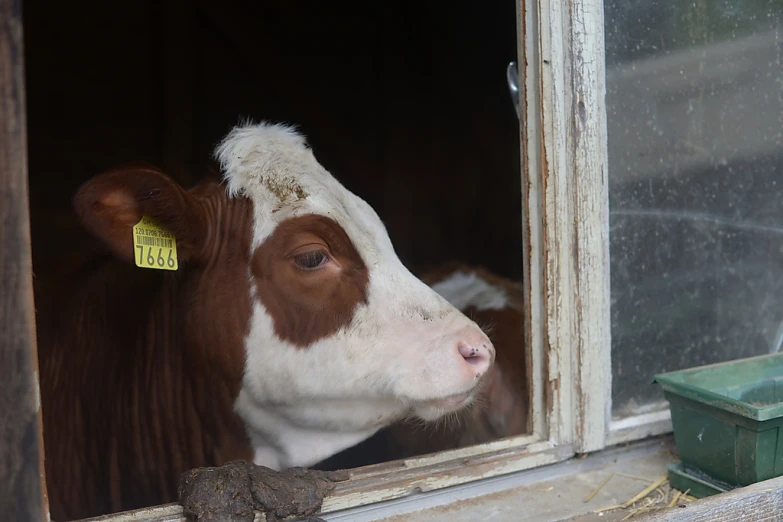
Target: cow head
337,338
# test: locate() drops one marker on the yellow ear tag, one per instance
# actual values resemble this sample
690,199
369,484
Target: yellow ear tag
154,246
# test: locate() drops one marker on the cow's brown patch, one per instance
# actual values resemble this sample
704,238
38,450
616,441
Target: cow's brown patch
309,304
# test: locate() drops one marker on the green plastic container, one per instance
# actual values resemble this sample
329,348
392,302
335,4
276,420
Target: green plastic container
698,486
727,420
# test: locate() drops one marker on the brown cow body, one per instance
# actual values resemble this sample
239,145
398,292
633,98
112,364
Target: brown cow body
289,332
138,409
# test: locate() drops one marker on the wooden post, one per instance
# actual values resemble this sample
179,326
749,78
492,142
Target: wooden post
22,484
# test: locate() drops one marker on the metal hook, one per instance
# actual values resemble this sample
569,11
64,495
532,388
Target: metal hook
512,79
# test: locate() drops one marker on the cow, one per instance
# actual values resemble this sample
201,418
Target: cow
497,304
289,330
501,407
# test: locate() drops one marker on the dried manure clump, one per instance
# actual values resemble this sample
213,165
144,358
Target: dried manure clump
235,491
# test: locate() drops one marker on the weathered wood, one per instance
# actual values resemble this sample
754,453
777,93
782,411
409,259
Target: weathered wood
759,502
639,427
541,397
566,215
396,483
755,503
588,173
22,492
406,481
571,160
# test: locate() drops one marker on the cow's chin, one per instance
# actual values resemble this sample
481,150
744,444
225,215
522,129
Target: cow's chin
434,409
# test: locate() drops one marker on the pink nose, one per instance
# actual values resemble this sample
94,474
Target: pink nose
477,351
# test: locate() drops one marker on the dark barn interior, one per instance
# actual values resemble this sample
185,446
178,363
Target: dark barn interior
406,103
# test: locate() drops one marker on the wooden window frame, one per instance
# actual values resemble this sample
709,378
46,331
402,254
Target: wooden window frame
563,140
22,484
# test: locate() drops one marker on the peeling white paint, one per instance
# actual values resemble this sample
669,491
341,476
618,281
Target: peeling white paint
37,391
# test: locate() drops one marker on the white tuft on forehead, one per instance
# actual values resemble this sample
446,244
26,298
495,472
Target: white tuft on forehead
269,161
273,165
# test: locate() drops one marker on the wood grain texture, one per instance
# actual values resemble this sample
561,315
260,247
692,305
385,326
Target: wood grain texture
399,481
759,502
756,503
542,398
574,238
566,216
590,229
21,454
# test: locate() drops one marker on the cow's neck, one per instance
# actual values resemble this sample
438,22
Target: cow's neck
204,387
281,440
198,322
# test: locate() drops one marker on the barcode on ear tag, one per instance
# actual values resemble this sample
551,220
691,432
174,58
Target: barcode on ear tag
154,246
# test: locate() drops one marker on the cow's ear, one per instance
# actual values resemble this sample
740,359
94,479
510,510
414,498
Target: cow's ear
110,204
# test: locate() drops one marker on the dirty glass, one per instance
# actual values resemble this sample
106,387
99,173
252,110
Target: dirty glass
695,123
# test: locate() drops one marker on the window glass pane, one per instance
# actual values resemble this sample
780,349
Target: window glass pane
695,121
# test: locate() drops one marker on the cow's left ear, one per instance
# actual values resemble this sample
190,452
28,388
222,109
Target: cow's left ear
110,204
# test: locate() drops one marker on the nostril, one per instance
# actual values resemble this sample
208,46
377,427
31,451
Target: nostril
472,354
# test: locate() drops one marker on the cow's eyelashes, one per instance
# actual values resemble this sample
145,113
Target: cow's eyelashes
311,260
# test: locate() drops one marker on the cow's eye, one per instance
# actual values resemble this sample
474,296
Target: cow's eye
311,260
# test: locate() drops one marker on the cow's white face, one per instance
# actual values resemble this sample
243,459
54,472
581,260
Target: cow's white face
343,339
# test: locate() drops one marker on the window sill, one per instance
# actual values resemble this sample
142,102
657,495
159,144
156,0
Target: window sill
554,492
549,493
